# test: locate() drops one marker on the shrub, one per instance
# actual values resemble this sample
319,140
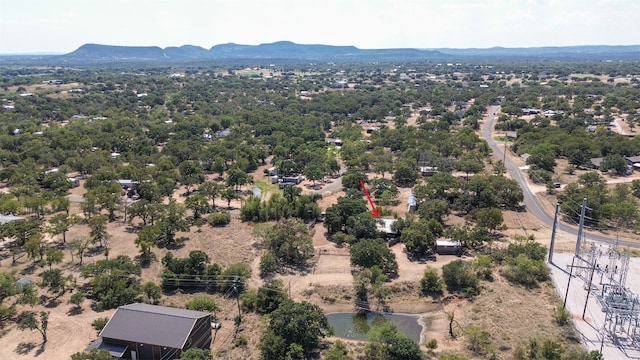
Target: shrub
100,323
268,264
432,344
540,176
526,271
562,316
219,219
241,341
249,301
478,339
202,303
483,266
458,276
431,282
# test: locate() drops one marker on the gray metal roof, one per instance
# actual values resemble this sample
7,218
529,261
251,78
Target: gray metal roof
152,324
4,219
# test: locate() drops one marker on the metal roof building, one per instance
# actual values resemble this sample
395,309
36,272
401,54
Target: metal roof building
143,331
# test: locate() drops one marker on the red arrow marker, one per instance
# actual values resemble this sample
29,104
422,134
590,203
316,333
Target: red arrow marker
375,212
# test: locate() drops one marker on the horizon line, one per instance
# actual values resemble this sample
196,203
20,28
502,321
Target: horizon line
57,53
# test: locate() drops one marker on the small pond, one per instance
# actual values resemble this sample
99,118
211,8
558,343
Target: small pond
356,325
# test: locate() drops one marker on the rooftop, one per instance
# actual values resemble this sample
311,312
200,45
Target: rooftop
152,324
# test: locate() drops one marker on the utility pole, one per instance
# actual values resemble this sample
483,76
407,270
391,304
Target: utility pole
593,270
566,294
504,153
581,226
553,234
235,288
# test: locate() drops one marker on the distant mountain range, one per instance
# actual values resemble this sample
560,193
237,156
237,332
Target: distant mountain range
289,52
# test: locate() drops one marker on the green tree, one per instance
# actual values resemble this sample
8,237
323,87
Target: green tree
229,194
614,162
115,282
35,247
191,173
147,237
370,252
294,323
470,164
387,343
53,256
152,291
406,172
54,280
526,271
77,298
339,213
431,283
98,229
270,296
61,223
171,222
211,190
197,203
490,218
237,178
290,242
351,179
29,321
542,156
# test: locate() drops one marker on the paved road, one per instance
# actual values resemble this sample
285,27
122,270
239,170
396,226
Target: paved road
532,203
334,186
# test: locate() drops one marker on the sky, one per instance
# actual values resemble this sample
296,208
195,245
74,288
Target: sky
61,26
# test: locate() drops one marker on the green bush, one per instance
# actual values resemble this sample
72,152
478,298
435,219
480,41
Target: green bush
100,323
431,283
562,316
268,264
432,344
526,271
219,219
249,301
540,176
459,276
202,303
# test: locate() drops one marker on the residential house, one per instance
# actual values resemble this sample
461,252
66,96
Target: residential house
384,226
151,332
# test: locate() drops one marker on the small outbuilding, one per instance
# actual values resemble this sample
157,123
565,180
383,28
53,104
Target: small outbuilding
150,332
412,204
448,247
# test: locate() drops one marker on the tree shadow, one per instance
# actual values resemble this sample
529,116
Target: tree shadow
177,244
29,270
145,262
40,349
52,302
24,348
75,310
